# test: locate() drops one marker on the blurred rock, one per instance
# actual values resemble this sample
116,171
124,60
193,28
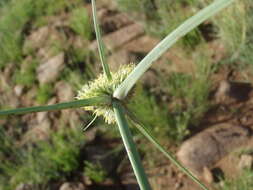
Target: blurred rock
142,44
208,147
118,38
222,91
23,187
39,131
50,70
118,59
207,175
246,162
72,186
18,89
64,91
41,116
233,91
37,39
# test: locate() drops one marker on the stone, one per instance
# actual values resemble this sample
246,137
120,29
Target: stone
50,70
37,39
72,186
246,162
64,91
120,37
39,131
208,147
41,116
23,186
222,91
18,89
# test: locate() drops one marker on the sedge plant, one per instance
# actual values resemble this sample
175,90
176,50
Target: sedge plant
108,95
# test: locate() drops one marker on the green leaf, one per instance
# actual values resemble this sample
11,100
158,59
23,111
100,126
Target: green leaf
60,106
191,23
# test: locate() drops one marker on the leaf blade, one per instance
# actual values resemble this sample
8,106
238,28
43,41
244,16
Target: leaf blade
60,106
100,42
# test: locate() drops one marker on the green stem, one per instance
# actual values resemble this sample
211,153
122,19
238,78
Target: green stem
141,127
60,106
99,42
191,23
130,147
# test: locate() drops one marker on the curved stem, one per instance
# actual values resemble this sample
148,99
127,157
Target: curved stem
60,106
191,23
130,147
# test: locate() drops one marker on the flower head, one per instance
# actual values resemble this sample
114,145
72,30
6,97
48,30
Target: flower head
104,87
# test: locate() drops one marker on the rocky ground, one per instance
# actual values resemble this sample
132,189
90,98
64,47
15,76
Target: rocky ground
216,147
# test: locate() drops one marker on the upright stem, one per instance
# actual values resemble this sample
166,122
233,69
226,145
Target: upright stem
141,127
130,147
101,48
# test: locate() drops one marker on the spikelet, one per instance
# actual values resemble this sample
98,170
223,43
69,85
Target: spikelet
103,87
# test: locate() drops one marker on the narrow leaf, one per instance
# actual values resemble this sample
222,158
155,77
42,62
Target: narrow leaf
191,23
141,127
99,42
60,106
130,147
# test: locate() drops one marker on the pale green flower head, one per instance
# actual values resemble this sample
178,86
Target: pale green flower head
104,87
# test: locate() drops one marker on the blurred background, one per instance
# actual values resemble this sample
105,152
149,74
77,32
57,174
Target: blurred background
48,52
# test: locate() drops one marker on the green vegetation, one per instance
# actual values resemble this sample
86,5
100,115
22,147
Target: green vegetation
22,12
244,182
40,162
44,93
94,171
26,75
80,23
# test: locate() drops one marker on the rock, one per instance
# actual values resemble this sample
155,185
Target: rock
236,91
112,22
64,91
50,70
143,44
211,145
246,162
41,116
222,91
37,39
207,175
23,187
18,89
118,38
118,58
39,131
72,186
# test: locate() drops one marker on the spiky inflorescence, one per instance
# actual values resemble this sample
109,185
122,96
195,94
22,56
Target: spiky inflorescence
104,87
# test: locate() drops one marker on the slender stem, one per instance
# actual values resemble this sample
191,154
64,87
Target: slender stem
191,23
60,106
99,42
141,127
130,147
